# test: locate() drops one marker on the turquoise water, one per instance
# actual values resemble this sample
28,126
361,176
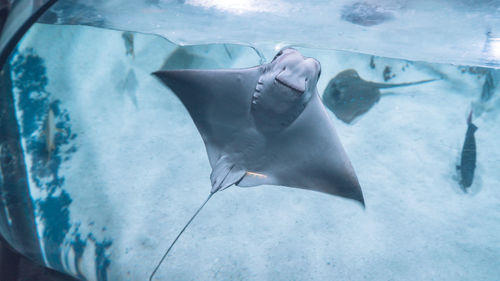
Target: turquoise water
128,168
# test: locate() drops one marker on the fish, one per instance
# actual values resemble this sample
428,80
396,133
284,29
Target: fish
265,125
128,39
348,96
468,155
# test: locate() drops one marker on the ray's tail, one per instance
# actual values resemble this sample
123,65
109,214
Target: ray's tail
179,235
385,86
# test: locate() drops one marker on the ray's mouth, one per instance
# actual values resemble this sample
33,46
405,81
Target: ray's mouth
289,85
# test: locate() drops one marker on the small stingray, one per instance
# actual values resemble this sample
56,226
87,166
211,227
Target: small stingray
348,96
265,125
365,14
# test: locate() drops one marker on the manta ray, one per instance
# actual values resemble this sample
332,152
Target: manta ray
265,125
365,14
348,96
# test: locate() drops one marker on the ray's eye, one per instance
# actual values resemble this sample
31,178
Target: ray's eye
319,73
277,55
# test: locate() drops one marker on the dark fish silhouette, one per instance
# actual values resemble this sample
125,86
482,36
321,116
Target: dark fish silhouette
468,159
348,96
265,125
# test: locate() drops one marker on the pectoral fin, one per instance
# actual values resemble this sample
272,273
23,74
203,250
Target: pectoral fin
225,174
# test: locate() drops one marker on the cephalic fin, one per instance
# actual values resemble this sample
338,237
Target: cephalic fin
225,174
